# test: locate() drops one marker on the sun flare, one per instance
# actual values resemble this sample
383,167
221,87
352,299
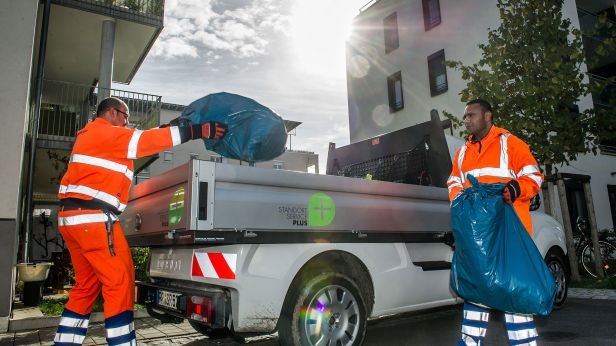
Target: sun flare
319,29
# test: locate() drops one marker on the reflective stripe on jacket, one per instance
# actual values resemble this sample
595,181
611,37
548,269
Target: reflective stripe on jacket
101,164
498,158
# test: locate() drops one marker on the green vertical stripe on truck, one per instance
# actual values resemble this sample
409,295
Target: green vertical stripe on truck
176,206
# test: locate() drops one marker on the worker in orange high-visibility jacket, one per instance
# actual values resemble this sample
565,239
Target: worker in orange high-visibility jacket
493,155
93,192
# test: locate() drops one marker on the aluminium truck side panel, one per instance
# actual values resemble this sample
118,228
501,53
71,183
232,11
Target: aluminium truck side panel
212,197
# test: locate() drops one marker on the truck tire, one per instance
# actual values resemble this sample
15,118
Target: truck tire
326,306
556,264
219,333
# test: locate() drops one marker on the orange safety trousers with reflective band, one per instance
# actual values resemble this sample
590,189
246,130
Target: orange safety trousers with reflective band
101,164
498,158
85,235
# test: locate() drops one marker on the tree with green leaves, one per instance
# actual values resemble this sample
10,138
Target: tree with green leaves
532,71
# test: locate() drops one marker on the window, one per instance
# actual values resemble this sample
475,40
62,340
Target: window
390,28
167,155
437,73
432,13
215,158
394,90
611,193
278,164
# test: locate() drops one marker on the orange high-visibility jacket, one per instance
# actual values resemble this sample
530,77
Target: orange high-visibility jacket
498,158
101,163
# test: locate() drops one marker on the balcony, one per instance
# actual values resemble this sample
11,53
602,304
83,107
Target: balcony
75,31
67,107
145,11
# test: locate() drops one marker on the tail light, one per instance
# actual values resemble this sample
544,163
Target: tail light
200,309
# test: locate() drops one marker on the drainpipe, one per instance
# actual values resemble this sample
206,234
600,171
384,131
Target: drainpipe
38,93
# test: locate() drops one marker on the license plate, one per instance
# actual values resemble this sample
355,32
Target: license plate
168,299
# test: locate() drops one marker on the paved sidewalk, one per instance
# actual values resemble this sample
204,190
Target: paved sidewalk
590,293
151,332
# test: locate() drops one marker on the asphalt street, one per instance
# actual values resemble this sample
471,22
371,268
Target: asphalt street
581,322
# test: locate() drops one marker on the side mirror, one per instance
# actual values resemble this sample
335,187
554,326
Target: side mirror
535,203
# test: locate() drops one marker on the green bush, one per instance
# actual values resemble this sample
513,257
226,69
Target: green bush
53,307
140,261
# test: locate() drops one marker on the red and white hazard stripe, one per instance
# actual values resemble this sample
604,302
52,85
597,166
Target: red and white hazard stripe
215,265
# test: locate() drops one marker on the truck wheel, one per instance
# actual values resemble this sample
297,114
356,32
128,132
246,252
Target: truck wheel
219,333
556,265
325,309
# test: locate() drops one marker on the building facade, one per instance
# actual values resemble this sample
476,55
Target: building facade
396,75
59,57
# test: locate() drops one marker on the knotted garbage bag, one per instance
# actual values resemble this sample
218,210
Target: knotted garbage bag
495,262
255,132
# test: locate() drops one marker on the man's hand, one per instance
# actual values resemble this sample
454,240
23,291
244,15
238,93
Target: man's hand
512,191
213,130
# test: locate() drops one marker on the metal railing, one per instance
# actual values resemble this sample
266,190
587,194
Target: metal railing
67,107
151,11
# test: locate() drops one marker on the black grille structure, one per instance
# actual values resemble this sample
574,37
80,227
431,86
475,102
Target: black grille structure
416,155
409,167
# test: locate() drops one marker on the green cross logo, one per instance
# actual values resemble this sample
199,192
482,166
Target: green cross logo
321,210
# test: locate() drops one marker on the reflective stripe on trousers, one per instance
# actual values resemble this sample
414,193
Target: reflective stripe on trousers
520,328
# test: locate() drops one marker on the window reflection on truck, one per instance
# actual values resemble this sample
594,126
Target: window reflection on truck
319,212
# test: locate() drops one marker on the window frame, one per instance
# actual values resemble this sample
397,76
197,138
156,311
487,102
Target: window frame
391,92
391,33
428,23
432,75
278,164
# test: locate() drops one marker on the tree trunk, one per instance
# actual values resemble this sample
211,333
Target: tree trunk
575,274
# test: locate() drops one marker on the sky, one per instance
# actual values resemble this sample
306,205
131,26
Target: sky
286,54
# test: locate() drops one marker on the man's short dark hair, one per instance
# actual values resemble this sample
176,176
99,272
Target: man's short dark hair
485,105
107,104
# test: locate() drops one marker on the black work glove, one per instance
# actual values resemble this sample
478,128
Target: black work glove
188,130
512,191
213,130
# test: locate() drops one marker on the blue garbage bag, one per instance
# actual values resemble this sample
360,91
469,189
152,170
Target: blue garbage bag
255,132
495,262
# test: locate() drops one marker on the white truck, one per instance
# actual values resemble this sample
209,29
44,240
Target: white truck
245,250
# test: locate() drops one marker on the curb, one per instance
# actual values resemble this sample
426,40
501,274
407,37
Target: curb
35,323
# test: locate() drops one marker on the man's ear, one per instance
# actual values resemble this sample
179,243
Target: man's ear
488,113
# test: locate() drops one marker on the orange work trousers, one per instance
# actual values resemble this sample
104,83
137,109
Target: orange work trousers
85,235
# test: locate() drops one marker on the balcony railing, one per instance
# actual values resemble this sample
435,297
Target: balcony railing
67,107
149,11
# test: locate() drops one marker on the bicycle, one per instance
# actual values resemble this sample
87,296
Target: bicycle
585,253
